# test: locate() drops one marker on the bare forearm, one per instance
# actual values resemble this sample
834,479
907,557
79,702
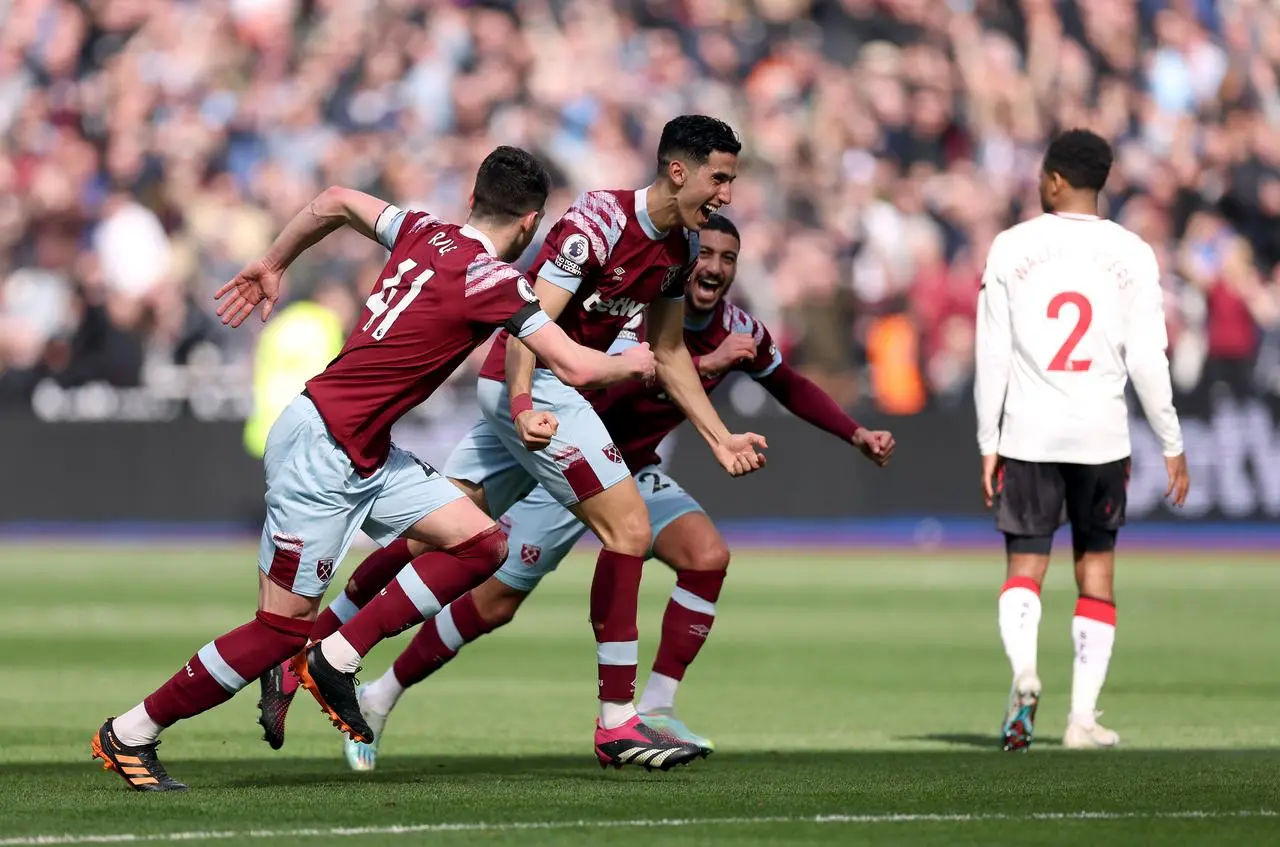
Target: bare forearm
323,215
679,378
598,370
520,362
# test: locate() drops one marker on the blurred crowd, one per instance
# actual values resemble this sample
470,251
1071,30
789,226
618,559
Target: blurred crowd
148,148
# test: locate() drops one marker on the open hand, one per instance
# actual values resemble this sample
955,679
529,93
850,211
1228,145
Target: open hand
258,282
738,455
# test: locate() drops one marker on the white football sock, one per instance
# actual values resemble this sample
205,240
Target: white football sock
1093,641
338,652
614,715
659,693
381,694
135,728
1019,616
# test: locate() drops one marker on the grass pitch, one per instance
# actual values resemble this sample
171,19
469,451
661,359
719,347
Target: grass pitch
854,698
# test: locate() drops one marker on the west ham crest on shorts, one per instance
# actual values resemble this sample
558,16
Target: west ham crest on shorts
324,570
612,453
530,554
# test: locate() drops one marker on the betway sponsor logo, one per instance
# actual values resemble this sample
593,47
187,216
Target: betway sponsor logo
623,307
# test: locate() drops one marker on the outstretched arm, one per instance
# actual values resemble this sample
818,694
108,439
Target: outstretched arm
332,209
582,367
808,402
812,405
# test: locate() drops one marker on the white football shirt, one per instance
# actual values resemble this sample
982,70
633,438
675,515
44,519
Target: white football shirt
1070,310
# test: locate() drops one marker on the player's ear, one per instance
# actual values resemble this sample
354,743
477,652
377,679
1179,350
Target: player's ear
529,221
678,173
471,202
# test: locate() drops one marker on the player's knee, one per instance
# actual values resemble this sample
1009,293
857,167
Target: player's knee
630,534
484,552
502,611
497,603
361,592
496,549
710,557
1094,543
1095,574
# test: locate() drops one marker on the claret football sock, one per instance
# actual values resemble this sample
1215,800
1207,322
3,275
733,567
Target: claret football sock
215,673
686,624
418,593
615,593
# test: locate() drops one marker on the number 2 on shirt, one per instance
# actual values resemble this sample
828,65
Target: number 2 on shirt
1084,316
377,305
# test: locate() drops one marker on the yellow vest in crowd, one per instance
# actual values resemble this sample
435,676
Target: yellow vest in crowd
295,346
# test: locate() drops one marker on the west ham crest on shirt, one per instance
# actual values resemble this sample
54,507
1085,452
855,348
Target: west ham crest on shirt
673,278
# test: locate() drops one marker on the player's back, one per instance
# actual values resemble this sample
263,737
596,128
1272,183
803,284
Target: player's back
439,297
1070,282
607,252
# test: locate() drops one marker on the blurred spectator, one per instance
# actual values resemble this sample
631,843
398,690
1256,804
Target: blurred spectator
148,149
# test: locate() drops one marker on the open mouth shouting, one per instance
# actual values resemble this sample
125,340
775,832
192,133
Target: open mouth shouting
708,285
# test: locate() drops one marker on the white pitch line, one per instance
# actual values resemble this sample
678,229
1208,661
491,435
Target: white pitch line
480,826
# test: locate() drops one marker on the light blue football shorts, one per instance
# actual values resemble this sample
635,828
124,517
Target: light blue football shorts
541,532
316,501
580,462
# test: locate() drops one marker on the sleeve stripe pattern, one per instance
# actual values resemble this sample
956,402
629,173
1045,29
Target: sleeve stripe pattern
425,220
737,320
600,217
485,272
